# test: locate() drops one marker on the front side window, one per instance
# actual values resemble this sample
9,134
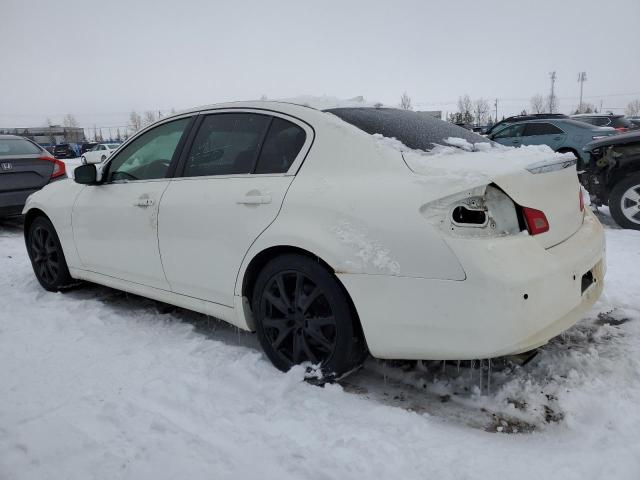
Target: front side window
281,147
511,131
148,156
541,129
226,144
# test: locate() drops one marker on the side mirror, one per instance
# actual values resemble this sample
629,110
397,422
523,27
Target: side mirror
85,174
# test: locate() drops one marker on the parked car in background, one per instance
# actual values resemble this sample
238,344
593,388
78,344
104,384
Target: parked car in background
635,121
99,153
315,230
612,176
560,134
25,167
86,146
619,122
64,150
521,118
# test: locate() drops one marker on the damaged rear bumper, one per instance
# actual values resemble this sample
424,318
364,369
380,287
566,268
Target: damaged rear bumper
517,296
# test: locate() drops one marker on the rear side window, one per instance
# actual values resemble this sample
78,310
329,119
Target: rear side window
281,147
226,144
17,146
541,129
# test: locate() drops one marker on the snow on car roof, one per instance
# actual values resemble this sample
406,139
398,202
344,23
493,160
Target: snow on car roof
418,131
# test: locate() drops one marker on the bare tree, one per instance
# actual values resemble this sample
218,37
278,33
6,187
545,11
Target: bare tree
586,108
135,121
633,108
149,117
377,105
465,109
537,103
69,121
405,102
480,109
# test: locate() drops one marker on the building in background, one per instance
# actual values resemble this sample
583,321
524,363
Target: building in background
46,136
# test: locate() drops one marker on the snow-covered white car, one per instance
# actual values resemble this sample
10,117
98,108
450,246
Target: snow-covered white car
332,233
99,153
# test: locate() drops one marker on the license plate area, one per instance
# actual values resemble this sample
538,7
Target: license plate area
588,279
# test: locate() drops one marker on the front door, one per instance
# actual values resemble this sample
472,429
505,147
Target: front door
232,186
115,223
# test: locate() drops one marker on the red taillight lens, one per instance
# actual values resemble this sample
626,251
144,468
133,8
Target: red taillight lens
58,166
581,195
622,129
536,221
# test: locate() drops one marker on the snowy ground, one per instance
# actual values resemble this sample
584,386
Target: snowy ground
95,383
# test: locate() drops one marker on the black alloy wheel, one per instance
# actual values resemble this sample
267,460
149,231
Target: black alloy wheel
303,315
47,257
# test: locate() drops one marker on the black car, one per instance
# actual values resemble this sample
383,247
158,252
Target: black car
25,167
64,150
520,118
619,122
612,176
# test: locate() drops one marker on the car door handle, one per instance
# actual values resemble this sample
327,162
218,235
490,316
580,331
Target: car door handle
144,202
254,199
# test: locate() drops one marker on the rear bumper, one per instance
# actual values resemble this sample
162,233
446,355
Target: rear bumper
12,202
516,297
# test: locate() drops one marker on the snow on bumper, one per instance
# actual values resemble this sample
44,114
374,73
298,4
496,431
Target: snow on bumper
516,297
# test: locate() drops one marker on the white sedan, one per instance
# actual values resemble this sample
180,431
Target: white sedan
332,234
99,153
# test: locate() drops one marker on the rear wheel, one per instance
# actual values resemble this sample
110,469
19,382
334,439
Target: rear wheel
624,202
303,315
47,257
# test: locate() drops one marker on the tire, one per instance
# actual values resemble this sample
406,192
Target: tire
103,158
47,257
624,202
303,314
83,160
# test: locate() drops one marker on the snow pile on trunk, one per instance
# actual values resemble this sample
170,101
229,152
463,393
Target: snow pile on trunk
324,102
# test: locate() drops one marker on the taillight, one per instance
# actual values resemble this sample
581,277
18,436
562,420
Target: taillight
58,167
536,221
581,195
622,129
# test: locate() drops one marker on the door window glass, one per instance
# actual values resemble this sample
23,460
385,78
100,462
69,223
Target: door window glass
281,147
227,144
149,155
541,129
511,131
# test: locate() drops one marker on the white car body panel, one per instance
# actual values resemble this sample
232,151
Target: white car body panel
98,154
420,289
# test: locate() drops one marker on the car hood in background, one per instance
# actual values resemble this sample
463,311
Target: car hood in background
619,139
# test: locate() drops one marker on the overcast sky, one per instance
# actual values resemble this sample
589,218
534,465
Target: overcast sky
99,60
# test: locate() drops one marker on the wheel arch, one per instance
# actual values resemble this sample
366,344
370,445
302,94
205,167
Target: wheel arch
260,259
30,216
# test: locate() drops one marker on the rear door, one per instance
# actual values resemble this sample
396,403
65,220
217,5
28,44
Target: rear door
229,188
544,133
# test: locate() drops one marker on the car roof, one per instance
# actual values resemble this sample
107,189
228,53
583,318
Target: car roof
619,139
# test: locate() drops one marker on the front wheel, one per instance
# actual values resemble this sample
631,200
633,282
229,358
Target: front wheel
47,257
303,315
624,202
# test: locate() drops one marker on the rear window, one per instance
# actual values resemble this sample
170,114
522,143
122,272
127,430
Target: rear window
416,130
17,146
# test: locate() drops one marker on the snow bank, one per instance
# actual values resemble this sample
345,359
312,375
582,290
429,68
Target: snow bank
96,383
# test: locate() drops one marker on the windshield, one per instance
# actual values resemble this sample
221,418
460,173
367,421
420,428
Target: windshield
112,146
416,130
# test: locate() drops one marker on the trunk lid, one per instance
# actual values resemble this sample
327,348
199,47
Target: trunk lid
533,176
24,172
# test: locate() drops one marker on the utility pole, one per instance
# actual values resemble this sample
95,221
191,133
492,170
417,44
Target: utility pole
552,95
582,77
496,105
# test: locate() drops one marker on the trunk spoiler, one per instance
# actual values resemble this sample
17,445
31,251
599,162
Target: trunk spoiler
550,166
